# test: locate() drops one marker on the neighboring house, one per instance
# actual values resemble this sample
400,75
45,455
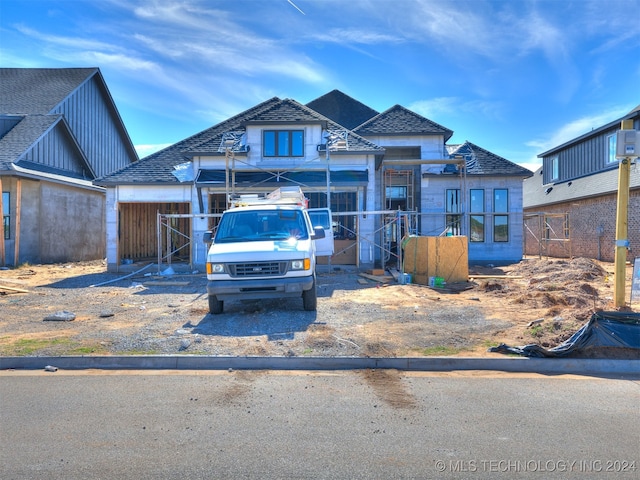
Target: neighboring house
59,130
159,208
571,201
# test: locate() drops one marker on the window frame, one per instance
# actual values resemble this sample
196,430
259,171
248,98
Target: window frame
555,168
612,143
500,213
477,217
6,215
497,238
283,143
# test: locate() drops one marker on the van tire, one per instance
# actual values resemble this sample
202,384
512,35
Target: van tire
310,298
215,305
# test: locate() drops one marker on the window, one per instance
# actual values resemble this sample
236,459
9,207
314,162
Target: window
453,226
611,139
283,143
555,168
5,215
500,228
501,200
476,222
500,222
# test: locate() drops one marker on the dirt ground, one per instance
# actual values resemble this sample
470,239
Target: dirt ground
80,309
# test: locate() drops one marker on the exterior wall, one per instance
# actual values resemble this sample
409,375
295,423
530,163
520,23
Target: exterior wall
58,223
433,217
592,229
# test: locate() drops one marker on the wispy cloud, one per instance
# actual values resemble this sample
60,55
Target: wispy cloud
77,43
357,36
578,127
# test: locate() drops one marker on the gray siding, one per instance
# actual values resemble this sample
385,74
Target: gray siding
580,159
88,115
57,150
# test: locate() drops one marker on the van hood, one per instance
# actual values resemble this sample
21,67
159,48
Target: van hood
262,250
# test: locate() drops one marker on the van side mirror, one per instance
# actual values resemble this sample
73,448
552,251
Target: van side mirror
318,233
207,237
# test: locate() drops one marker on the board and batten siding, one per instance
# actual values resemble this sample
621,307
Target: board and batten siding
579,159
58,150
92,122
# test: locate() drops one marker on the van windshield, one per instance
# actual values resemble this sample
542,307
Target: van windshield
261,225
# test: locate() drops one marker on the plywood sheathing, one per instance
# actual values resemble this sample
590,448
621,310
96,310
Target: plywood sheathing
446,257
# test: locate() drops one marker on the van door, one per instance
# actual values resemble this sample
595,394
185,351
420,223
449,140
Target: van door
321,217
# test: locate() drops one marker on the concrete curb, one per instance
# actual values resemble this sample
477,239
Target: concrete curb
429,364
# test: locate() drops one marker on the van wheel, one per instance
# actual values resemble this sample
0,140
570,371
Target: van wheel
310,298
215,305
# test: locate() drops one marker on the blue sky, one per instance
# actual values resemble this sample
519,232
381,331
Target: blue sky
515,77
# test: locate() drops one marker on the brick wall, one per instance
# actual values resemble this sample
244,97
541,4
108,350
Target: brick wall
592,229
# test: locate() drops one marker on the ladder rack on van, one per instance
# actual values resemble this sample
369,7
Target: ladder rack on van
280,196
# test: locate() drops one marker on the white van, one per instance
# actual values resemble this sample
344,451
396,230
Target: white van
263,248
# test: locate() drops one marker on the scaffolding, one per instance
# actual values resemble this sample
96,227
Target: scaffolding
548,229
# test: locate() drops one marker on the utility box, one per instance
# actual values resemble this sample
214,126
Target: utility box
627,144
444,257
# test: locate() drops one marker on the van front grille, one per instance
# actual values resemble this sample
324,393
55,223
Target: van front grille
257,269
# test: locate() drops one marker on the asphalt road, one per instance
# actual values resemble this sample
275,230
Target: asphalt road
352,424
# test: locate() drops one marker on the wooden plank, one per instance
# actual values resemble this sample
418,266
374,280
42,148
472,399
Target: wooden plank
507,277
12,289
377,278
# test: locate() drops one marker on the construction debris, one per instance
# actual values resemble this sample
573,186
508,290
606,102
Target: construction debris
62,316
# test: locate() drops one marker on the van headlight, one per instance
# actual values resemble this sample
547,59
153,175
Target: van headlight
215,267
301,264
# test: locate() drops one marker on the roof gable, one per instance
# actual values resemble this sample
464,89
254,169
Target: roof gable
479,161
342,109
290,112
38,90
37,132
399,120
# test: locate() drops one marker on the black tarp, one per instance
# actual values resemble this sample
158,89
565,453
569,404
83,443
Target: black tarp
604,329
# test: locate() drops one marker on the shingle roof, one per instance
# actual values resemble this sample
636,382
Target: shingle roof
38,90
26,132
342,109
158,167
400,121
482,162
